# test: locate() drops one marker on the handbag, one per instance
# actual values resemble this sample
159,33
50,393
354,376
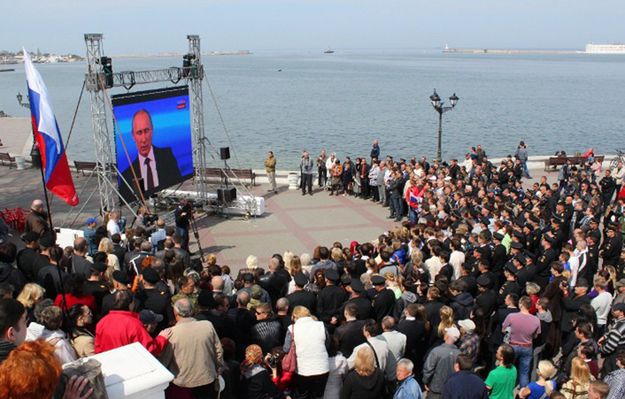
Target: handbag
289,361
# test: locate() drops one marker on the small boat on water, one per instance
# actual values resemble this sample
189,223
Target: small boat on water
328,51
7,69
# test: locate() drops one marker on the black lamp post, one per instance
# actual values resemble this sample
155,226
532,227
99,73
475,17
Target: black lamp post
441,109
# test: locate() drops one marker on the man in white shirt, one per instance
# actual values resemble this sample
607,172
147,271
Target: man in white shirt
433,265
380,348
601,304
396,343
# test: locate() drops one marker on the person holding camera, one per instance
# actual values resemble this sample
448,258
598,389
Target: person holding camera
183,214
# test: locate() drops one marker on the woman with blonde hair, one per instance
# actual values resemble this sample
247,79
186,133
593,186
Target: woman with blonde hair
545,385
307,337
394,283
30,295
294,267
286,257
447,320
106,246
577,386
366,380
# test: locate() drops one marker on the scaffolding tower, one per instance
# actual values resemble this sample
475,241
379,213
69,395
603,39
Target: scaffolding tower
98,81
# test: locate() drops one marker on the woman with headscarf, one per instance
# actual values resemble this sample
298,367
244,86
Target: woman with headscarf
255,378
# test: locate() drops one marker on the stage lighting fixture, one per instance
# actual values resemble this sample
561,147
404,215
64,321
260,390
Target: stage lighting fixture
187,64
107,66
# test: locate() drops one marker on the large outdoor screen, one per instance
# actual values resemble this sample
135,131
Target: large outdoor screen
153,139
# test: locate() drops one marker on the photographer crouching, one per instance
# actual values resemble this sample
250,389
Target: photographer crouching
184,214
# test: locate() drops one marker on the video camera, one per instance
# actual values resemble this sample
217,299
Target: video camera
149,219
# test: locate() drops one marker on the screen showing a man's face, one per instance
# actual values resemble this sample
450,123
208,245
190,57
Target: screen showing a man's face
142,133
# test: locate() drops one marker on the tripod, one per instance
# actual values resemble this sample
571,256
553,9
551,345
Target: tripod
196,234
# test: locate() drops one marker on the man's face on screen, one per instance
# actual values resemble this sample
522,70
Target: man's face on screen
142,133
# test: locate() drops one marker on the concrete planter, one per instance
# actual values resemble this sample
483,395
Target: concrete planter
293,181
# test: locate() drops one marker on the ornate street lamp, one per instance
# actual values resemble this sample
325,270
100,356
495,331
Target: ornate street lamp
441,109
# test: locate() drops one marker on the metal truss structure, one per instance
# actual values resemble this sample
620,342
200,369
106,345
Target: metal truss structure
98,80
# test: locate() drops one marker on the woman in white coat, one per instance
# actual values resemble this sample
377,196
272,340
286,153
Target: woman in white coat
311,341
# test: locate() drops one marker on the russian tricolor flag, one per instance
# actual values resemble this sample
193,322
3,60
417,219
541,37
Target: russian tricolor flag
56,172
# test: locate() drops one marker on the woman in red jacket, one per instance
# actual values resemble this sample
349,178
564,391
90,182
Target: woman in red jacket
74,294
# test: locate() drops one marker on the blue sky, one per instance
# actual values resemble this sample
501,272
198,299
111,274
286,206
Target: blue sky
144,26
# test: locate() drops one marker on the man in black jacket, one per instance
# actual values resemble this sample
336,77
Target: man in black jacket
9,274
383,300
330,299
611,248
571,303
461,301
349,334
155,168
357,297
301,297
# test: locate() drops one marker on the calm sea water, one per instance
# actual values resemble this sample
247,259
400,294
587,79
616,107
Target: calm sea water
342,101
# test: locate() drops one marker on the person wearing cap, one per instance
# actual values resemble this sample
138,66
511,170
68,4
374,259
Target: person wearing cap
300,296
121,282
500,253
525,269
608,187
330,299
524,328
383,299
469,341
614,339
95,284
439,363
46,242
543,264
619,286
26,256
358,297
611,249
487,298
150,320
510,285
151,298
197,354
592,260
90,236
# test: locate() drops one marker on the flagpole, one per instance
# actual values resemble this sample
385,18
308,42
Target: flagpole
43,183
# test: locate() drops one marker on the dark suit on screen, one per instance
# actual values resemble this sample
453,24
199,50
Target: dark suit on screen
167,171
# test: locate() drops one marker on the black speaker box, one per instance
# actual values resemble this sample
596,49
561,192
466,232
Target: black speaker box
226,195
225,153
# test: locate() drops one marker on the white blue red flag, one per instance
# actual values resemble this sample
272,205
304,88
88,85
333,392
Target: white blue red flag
57,176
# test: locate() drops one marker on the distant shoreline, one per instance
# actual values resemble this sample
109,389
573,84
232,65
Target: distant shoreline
508,51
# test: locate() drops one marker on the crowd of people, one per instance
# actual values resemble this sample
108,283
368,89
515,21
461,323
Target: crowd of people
492,287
